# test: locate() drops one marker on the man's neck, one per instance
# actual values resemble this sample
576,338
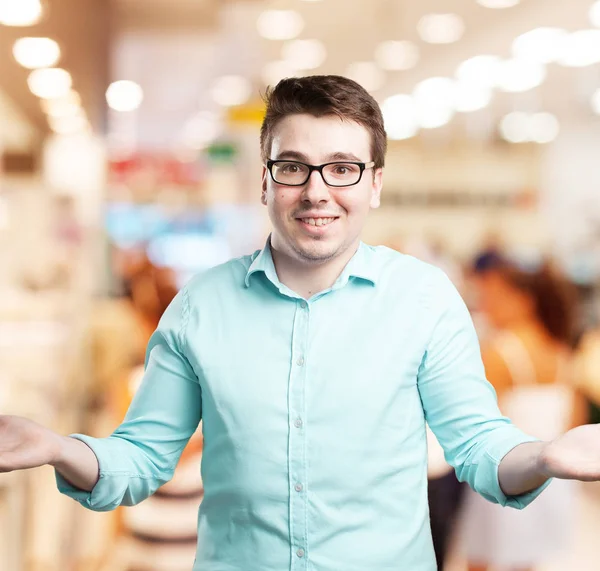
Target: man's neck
308,279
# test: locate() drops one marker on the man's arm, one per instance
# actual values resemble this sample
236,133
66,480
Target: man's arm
77,464
522,470
461,408
573,456
141,454
499,461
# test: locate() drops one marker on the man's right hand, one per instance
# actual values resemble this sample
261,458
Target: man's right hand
26,444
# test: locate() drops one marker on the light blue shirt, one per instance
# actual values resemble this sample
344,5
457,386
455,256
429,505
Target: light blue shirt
313,415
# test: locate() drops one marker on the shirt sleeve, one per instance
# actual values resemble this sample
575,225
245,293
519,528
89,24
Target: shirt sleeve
460,404
143,451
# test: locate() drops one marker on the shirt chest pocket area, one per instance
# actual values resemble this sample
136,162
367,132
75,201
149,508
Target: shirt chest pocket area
243,383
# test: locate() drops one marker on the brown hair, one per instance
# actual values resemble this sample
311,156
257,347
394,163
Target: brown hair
321,95
554,298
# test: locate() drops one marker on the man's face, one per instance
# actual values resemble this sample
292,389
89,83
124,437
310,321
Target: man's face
315,222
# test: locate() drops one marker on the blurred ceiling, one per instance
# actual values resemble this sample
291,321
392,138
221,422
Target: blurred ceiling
176,48
81,27
176,70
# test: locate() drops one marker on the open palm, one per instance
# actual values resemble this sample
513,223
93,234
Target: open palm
24,444
575,455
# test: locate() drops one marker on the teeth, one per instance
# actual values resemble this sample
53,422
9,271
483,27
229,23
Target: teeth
318,221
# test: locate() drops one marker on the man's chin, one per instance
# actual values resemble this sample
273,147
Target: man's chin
318,251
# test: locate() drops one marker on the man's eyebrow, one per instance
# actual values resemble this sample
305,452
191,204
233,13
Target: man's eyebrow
293,155
339,156
343,157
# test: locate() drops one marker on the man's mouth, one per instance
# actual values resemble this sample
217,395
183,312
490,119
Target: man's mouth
317,221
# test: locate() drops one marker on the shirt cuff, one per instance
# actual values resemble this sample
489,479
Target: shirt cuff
102,496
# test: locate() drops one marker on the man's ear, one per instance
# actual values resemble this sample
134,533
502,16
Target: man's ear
376,189
263,195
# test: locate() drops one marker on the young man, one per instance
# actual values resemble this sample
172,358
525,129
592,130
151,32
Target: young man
314,365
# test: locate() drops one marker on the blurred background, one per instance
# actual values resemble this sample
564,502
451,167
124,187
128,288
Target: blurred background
129,161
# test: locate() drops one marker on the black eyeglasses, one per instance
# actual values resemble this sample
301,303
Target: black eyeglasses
338,174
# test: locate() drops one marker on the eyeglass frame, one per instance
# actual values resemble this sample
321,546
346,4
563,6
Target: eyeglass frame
319,168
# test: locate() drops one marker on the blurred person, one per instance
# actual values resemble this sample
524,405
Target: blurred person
313,365
529,361
122,325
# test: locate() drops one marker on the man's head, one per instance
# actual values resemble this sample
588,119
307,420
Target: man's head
317,120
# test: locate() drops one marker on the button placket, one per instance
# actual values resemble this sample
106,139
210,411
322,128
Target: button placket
297,439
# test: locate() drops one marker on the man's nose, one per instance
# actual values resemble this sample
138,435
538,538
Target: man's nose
315,189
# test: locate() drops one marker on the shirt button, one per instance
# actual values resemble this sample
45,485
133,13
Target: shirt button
300,552
300,361
298,487
298,423
303,305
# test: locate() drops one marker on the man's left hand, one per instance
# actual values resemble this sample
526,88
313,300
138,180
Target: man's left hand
573,456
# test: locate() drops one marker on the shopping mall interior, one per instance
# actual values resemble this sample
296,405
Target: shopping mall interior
130,162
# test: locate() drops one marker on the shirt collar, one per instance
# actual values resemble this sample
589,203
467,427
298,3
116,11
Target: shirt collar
262,261
362,266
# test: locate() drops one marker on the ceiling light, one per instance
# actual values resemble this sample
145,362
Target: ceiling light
514,127
516,76
399,116
68,125
434,117
231,90
124,96
498,4
304,54
20,12
596,102
397,55
471,97
441,28
480,70
71,98
49,83
34,53
543,128
62,105
280,24
435,102
275,71
367,74
435,92
61,108
595,14
541,45
580,49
